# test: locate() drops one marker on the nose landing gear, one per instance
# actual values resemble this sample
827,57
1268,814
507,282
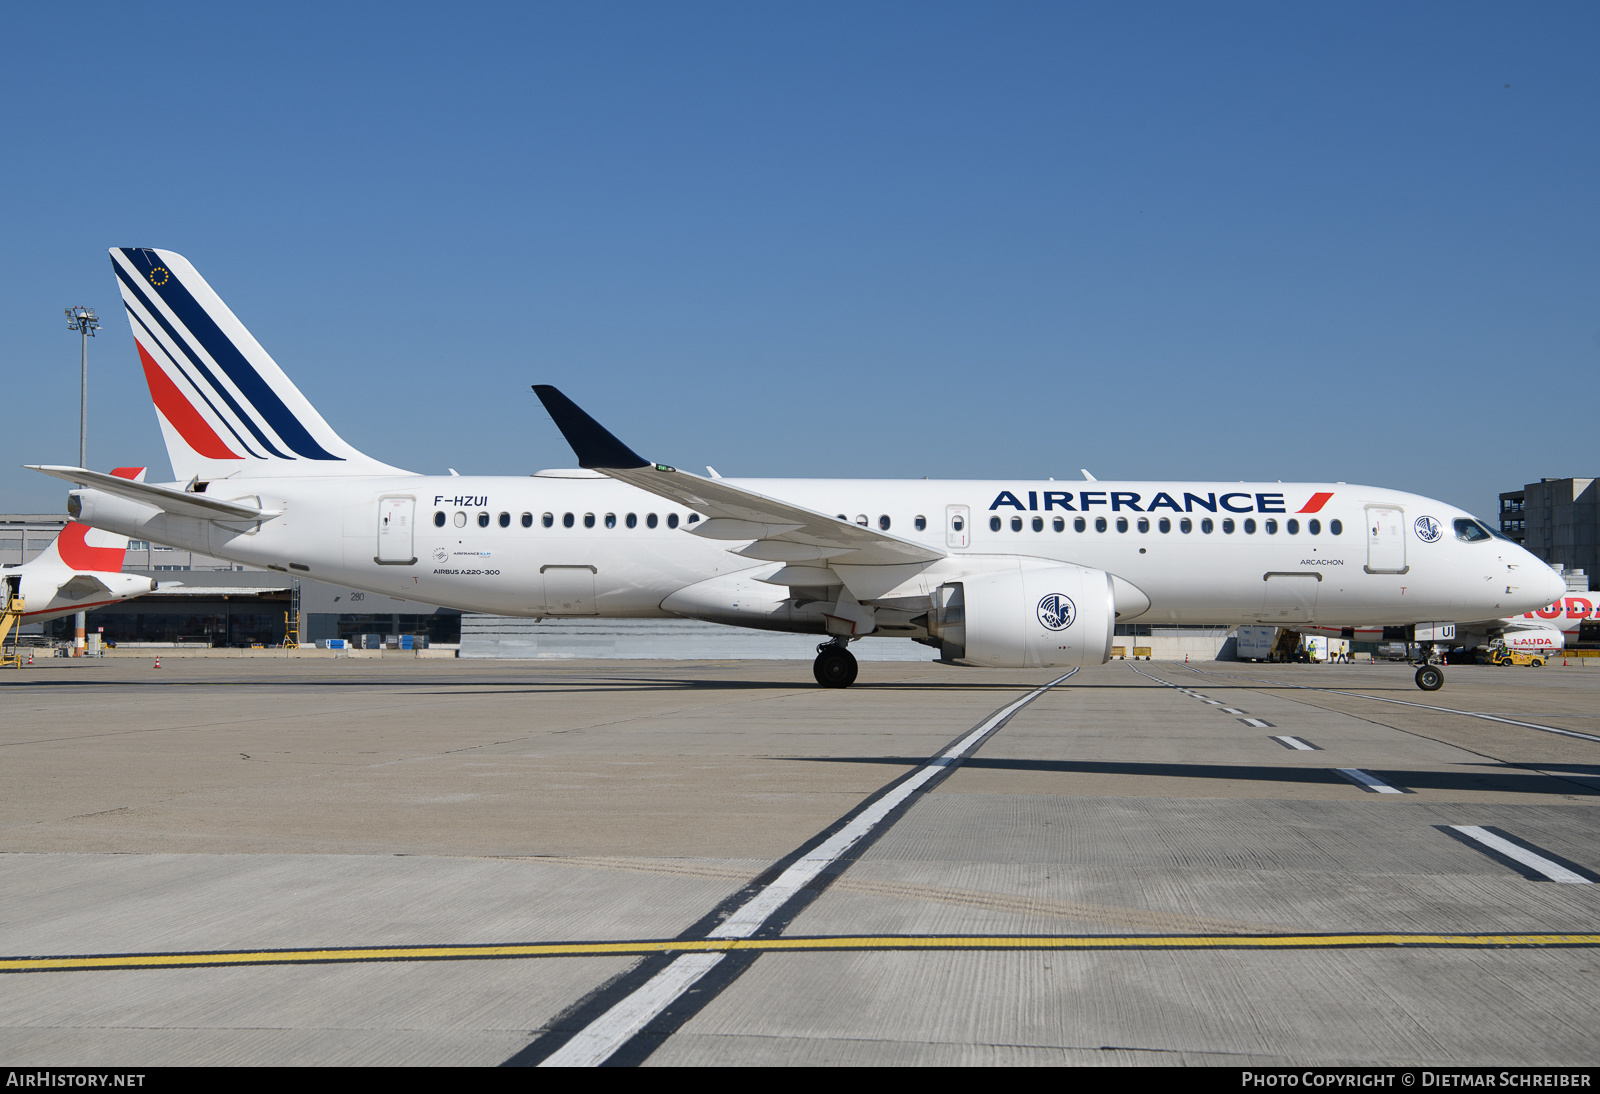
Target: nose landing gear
835,666
1430,677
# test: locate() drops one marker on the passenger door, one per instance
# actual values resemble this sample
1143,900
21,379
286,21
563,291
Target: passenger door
1386,540
395,531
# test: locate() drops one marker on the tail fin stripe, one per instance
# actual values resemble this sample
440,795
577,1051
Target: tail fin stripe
220,348
198,390
180,412
194,359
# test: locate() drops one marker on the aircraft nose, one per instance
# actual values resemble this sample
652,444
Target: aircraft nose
1552,586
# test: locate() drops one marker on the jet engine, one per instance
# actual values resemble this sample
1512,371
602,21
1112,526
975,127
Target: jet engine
1051,617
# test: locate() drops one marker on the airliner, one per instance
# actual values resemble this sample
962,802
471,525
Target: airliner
1008,574
80,570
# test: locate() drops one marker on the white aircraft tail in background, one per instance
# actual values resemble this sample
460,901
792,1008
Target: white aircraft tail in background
80,570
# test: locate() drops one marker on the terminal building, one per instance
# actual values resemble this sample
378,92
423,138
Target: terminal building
1559,521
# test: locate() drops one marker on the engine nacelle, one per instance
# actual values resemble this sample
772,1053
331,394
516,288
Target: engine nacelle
1051,617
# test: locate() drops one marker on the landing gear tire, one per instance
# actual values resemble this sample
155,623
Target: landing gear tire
1430,678
835,667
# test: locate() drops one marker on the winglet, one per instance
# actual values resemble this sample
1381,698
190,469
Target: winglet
595,446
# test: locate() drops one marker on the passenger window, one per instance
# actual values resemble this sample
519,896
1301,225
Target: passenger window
1292,526
1249,526
1272,527
483,520
994,524
1165,524
921,523
633,520
527,520
1144,524
1079,524
505,520
566,520
1016,524
1186,526
958,524
672,520
588,520
461,519
1227,525
861,519
1314,527
693,517
650,521
438,519
611,520
548,520
1059,524
1206,526
1099,524
883,523
1122,524
1336,528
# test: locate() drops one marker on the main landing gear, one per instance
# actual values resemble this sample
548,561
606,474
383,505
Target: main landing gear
835,666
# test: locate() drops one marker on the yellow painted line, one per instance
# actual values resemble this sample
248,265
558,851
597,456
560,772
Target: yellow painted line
789,945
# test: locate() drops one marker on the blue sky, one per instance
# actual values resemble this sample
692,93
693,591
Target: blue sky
1355,242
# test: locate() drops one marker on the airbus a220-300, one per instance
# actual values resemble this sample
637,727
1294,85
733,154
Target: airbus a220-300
1002,574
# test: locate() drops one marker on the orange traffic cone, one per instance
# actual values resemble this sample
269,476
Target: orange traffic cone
30,658
1185,659
158,660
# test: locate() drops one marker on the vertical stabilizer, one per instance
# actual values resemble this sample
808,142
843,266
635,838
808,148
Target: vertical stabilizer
226,408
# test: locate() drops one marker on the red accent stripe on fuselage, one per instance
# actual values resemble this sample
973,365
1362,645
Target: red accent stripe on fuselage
1316,503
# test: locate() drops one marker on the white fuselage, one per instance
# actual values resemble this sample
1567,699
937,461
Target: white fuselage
1375,571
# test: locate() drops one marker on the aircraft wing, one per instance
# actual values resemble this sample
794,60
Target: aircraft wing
177,502
784,532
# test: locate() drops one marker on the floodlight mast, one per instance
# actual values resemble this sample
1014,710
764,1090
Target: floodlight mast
82,320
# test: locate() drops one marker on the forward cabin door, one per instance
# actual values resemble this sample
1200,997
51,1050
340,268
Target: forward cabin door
1386,539
395,531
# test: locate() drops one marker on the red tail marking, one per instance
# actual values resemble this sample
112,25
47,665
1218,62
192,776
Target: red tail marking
77,553
1316,503
181,413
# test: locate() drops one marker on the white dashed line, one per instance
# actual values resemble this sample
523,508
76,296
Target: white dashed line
1368,782
1257,723
1297,744
1551,869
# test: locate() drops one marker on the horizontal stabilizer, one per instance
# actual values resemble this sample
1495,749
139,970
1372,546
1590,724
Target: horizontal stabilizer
179,503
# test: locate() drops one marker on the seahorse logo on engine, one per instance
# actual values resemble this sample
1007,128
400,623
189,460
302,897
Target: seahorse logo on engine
1057,612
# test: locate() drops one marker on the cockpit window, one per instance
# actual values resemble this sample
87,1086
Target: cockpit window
1470,531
